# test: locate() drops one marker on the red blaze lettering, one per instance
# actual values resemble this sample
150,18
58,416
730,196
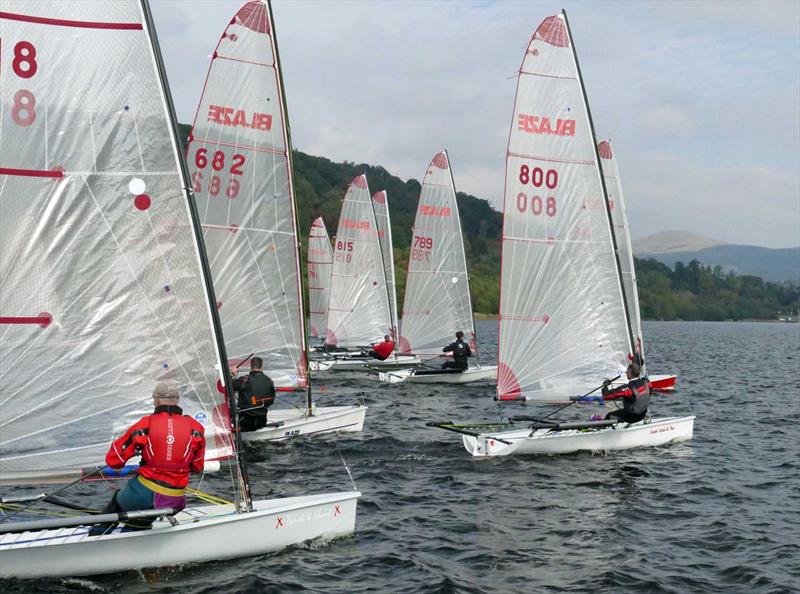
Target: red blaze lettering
533,124
228,116
351,224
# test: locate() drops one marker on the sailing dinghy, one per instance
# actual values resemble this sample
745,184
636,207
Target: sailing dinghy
564,319
319,263
619,217
104,278
360,307
240,161
437,300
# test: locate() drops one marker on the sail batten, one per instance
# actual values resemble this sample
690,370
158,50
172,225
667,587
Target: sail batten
562,320
437,300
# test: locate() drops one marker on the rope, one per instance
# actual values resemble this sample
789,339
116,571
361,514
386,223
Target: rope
352,482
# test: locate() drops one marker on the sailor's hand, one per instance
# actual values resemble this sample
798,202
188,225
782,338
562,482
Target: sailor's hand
234,371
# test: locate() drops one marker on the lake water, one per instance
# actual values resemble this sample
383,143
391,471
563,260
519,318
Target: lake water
718,513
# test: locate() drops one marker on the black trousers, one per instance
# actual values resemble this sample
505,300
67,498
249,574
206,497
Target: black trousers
625,416
455,365
252,422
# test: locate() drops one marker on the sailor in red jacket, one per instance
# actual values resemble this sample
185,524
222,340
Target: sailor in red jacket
382,350
171,445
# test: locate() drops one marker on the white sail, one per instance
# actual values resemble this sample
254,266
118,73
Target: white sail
619,217
102,292
563,325
380,203
437,300
358,311
240,167
320,263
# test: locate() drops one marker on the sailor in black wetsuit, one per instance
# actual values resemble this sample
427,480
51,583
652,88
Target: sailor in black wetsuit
635,396
460,350
256,394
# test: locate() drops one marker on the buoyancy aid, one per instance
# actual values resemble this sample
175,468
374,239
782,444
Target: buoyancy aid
256,393
171,445
635,395
383,349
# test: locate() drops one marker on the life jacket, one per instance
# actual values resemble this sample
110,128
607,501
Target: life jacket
639,398
256,391
383,349
171,446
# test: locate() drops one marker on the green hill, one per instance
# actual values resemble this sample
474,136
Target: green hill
688,292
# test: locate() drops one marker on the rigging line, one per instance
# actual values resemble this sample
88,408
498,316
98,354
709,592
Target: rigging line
344,463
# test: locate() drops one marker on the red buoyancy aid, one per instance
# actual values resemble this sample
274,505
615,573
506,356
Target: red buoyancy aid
383,349
171,445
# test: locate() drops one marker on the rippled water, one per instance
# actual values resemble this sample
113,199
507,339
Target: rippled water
719,513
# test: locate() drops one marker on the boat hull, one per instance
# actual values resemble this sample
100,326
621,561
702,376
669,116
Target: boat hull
473,374
367,363
663,383
210,533
543,441
296,423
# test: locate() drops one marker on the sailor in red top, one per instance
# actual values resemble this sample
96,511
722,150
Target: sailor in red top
171,445
382,350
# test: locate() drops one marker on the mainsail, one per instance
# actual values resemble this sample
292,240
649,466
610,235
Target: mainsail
437,301
619,217
103,291
358,310
320,263
380,203
563,321
240,165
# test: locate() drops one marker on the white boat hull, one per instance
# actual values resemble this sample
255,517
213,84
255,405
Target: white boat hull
208,533
544,441
296,423
473,374
365,363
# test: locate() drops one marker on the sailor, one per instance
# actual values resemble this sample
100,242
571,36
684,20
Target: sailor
635,396
382,350
256,394
460,351
171,445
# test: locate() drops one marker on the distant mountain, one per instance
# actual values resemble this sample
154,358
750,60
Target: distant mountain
673,241
775,265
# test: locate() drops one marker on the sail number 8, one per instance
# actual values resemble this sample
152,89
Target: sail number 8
24,65
537,176
536,205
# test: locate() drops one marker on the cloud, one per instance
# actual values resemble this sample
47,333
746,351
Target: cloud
709,89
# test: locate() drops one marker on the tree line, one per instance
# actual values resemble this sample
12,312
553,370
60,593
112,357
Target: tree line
687,292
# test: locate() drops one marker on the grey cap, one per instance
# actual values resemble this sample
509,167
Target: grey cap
166,390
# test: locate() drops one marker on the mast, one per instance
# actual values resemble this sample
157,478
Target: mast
243,501
464,253
631,343
300,280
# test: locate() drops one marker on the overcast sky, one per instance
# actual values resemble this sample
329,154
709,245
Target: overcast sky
700,99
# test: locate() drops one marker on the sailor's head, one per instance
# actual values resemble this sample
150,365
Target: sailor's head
459,335
166,393
386,338
634,370
256,364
